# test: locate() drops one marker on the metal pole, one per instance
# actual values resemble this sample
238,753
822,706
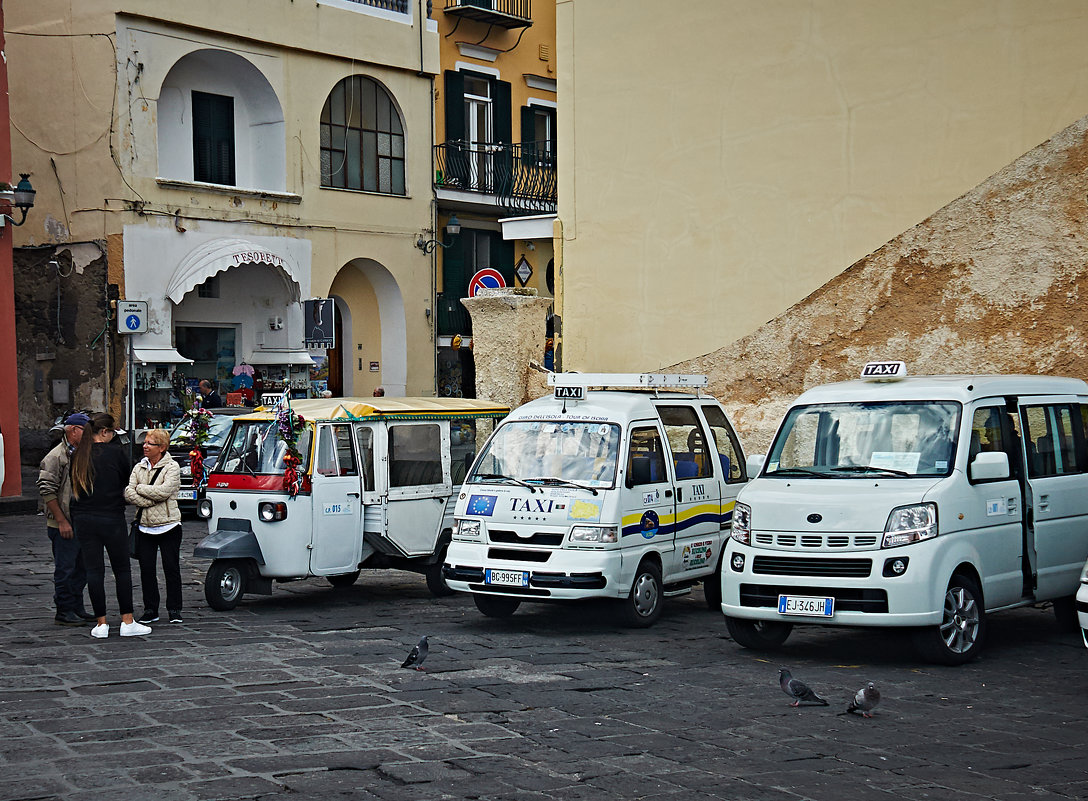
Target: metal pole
131,401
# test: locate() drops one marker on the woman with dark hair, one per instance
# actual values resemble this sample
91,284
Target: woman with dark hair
100,472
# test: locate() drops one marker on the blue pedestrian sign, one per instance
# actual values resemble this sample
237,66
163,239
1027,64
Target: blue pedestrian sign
132,316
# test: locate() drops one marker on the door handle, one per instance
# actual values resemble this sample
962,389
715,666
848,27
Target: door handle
668,493
1044,502
353,494
679,494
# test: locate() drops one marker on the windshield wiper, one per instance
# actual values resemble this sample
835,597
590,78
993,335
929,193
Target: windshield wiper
865,468
501,477
562,482
798,471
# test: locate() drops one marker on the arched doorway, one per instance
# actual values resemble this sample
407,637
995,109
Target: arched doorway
372,347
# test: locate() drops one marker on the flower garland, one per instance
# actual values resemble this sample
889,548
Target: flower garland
288,426
199,419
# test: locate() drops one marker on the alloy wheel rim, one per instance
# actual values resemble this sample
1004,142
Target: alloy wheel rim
959,628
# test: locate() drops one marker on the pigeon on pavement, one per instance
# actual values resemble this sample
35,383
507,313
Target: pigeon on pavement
417,655
864,700
797,689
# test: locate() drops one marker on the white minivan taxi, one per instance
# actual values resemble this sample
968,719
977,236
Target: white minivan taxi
599,493
924,502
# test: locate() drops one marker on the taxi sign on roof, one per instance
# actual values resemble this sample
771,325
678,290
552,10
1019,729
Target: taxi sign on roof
884,371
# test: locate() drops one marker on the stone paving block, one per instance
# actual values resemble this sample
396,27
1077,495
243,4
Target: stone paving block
419,772
21,788
235,787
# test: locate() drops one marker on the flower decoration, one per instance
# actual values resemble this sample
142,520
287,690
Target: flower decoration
289,426
198,422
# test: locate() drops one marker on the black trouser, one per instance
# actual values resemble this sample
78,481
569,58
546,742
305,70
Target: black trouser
147,547
109,533
69,575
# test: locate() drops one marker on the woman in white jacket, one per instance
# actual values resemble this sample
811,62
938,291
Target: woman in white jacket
153,488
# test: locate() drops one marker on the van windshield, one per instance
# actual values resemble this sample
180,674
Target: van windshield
901,439
582,453
254,448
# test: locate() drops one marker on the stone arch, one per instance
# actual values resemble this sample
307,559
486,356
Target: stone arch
372,300
259,140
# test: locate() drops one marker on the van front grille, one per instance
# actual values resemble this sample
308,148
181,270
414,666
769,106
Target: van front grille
807,566
537,538
516,555
815,540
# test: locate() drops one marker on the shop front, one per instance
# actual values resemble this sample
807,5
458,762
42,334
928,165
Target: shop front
230,314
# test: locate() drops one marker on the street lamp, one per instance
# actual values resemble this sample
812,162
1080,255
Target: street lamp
453,228
22,198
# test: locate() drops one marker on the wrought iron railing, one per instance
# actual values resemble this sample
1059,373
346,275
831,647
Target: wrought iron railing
522,177
521,9
388,5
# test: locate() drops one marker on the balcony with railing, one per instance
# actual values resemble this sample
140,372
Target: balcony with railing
504,13
400,6
519,178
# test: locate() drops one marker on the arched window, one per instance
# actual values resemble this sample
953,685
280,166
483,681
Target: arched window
362,139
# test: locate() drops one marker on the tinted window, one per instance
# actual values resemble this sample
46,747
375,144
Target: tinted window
725,442
415,455
646,459
1049,439
690,455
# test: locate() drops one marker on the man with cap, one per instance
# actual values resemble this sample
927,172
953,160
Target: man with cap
55,487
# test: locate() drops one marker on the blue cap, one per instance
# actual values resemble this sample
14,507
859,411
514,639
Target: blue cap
77,419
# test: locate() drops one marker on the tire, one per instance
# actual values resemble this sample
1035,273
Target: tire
436,582
225,584
642,606
1065,614
958,639
343,580
758,635
712,588
495,605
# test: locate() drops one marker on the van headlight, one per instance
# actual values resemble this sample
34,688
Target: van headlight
910,524
204,508
742,524
598,535
271,511
468,530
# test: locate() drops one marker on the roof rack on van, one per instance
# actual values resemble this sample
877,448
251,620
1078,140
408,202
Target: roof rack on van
581,381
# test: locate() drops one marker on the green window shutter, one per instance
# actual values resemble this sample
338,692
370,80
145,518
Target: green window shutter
502,111
502,257
452,316
455,106
528,135
213,138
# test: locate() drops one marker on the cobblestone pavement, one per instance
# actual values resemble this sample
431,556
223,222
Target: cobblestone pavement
301,695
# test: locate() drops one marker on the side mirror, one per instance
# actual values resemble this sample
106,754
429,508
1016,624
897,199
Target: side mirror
990,466
754,464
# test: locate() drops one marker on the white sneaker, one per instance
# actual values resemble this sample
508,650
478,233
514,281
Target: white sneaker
134,629
101,631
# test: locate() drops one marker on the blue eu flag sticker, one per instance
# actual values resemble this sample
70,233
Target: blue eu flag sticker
483,505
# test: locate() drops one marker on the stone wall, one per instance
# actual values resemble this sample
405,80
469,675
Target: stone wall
62,333
990,283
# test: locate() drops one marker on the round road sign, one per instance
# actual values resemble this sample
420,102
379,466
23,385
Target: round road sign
487,278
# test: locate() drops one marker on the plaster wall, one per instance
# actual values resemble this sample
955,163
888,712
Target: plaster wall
720,159
994,282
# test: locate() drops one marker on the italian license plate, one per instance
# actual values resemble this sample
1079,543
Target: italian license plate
186,495
806,605
508,578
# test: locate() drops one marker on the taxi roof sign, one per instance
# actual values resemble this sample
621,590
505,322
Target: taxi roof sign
627,380
883,371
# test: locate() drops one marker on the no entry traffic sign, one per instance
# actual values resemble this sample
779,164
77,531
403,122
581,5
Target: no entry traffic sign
487,278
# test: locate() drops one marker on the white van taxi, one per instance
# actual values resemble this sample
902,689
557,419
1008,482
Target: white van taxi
599,493
326,487
925,502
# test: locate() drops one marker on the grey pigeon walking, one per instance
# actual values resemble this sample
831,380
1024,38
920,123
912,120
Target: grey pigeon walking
864,700
797,689
417,655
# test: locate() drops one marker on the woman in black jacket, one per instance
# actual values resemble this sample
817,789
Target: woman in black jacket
100,472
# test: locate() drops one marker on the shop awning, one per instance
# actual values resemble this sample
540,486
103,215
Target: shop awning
223,253
280,357
159,356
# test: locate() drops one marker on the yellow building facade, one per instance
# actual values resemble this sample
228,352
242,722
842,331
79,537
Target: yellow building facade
222,162
721,159
495,164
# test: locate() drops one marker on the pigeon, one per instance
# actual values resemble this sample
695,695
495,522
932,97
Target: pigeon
797,689
864,700
417,655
